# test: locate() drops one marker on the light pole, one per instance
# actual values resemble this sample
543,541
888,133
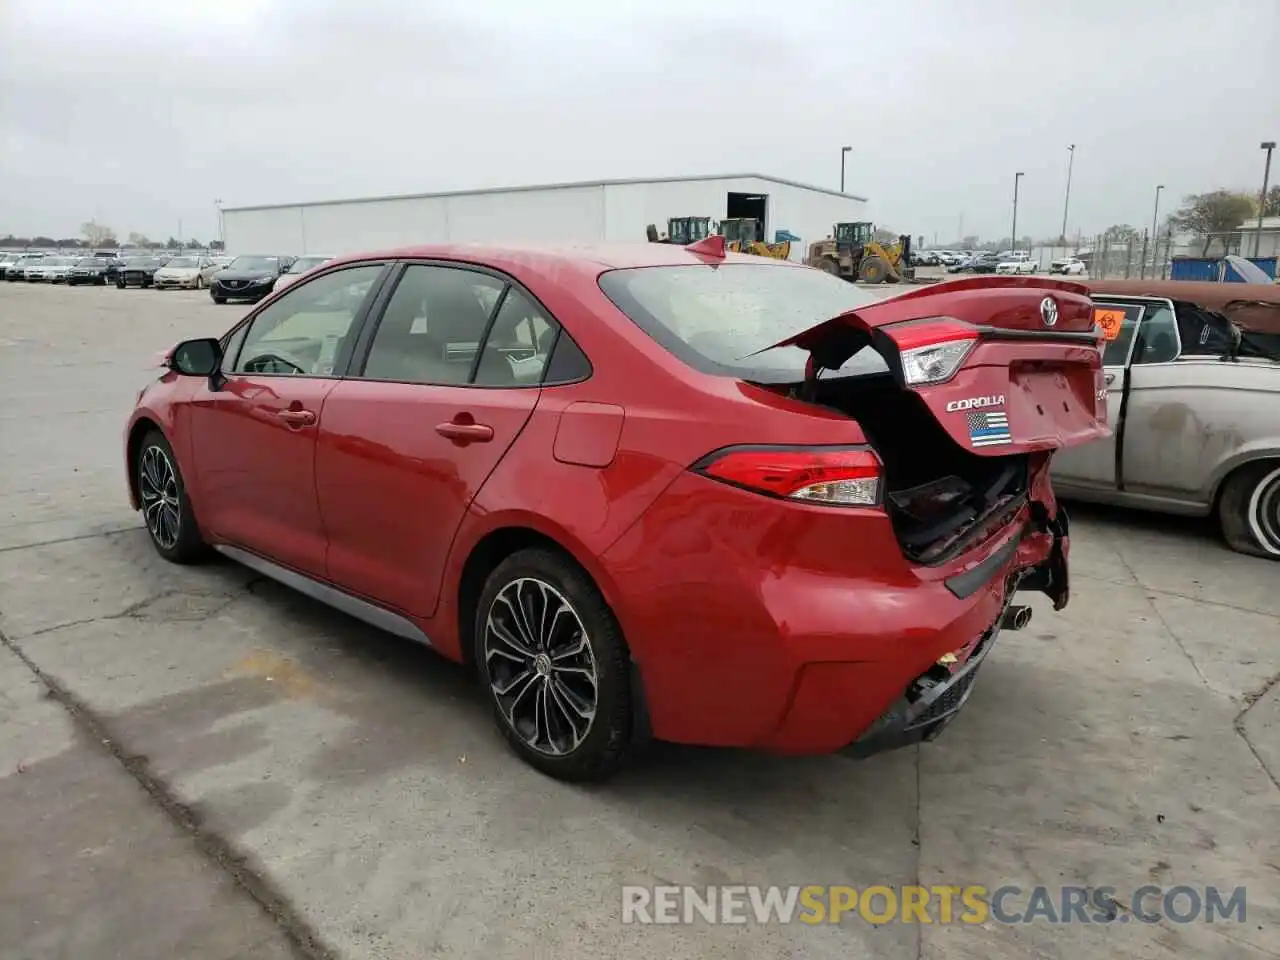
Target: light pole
222,241
1071,160
1155,236
1268,146
1013,233
844,152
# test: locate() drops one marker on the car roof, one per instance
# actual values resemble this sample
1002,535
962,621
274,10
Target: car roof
585,258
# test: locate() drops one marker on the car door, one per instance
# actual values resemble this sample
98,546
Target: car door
1093,465
434,400
1171,443
254,429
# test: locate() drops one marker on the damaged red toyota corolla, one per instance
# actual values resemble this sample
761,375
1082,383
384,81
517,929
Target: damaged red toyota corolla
650,491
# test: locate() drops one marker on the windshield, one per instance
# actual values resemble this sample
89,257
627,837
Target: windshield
183,262
89,262
303,264
140,261
715,318
255,264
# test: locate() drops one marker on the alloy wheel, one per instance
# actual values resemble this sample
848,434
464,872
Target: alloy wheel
540,666
1264,512
158,490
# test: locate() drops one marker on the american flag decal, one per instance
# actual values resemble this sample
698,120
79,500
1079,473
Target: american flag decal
989,429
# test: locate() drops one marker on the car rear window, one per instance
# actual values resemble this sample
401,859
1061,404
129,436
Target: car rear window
718,318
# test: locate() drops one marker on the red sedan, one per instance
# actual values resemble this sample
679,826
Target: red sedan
656,491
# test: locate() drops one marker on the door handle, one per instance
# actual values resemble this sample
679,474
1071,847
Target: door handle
296,418
1110,378
462,433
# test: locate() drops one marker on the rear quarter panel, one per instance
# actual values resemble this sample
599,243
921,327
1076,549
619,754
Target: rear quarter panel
1191,422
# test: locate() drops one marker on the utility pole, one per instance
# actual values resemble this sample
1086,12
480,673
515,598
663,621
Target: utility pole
1071,160
844,152
1013,233
1268,146
222,241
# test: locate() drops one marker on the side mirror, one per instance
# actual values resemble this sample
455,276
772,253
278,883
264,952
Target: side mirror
196,358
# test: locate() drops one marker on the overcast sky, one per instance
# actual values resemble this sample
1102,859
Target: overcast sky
141,114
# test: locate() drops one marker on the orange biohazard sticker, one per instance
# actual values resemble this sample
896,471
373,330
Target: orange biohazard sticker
1110,321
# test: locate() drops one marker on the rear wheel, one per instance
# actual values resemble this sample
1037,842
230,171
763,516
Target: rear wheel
554,666
1249,509
827,265
166,508
873,270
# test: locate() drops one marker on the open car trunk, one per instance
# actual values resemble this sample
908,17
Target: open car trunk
986,378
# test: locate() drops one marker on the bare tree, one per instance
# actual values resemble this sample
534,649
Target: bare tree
96,234
139,240
1212,214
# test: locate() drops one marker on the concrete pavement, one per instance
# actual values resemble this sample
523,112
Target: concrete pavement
277,777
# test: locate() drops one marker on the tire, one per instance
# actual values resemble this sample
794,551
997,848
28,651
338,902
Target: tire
1249,509
582,640
873,270
155,471
120,284
218,299
199,282
827,265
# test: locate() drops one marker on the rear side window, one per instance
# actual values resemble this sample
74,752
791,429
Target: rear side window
1119,323
717,318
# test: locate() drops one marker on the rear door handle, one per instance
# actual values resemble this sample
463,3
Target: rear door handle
297,418
1110,378
465,432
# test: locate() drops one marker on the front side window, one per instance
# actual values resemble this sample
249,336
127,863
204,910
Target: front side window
302,332
433,325
1158,342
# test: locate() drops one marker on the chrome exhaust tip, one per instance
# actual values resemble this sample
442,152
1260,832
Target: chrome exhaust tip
1015,617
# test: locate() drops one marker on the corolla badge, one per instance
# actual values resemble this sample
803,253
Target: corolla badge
974,403
1049,311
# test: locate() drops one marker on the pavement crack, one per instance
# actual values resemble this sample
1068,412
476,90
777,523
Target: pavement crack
81,536
1250,700
220,852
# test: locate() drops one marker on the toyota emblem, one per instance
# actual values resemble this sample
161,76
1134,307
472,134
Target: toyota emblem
1048,311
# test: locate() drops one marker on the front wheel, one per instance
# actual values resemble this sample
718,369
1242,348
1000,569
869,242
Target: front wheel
554,666
166,508
218,299
1249,510
873,270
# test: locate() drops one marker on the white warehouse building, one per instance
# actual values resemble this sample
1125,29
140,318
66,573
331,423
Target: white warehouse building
604,211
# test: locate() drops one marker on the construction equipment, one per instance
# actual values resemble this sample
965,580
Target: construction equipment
853,252
682,230
742,235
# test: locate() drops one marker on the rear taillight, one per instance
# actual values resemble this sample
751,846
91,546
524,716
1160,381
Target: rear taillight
931,350
837,476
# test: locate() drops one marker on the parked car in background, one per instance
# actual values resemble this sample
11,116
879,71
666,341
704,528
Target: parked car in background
470,447
1193,397
92,270
6,261
1068,266
138,271
56,269
247,278
978,263
17,270
182,273
300,266
1017,265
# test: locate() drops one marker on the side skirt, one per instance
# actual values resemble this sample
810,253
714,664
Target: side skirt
370,613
